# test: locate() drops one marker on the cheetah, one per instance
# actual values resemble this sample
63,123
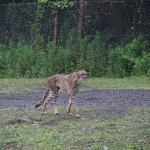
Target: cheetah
69,83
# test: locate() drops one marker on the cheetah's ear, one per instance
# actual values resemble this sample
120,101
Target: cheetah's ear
78,74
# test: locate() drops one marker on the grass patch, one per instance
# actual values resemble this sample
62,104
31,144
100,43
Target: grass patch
22,85
118,83
38,84
29,129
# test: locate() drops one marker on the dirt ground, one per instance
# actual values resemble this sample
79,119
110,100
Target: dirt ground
112,99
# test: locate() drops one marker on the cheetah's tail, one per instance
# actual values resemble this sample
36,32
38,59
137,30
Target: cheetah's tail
43,99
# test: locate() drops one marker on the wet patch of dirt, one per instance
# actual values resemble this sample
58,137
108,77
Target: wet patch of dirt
119,99
11,145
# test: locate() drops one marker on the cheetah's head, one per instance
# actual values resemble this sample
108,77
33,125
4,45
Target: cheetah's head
81,75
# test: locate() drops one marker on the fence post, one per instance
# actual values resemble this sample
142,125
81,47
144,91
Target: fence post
80,22
56,25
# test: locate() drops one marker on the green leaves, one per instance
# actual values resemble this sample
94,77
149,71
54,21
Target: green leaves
42,1
62,4
132,59
94,55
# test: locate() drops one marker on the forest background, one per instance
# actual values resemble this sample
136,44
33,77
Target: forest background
40,38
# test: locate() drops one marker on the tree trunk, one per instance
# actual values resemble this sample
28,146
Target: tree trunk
80,22
56,26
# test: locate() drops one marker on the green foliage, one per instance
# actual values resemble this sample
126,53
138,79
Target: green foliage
18,60
62,4
2,61
142,64
117,63
98,56
132,59
87,54
95,56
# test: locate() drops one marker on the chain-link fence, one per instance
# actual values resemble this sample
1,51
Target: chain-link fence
116,21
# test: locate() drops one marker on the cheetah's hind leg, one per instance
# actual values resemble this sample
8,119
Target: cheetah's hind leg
45,103
43,99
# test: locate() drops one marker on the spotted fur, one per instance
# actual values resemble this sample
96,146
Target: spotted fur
69,83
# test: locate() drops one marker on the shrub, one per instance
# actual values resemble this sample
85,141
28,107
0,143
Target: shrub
2,60
94,55
18,60
117,63
132,59
142,65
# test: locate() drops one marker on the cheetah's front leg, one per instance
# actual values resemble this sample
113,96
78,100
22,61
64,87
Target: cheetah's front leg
72,101
55,108
55,98
69,106
76,109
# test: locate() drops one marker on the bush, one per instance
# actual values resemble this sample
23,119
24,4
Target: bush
18,60
132,59
142,65
2,60
97,56
94,55
118,65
